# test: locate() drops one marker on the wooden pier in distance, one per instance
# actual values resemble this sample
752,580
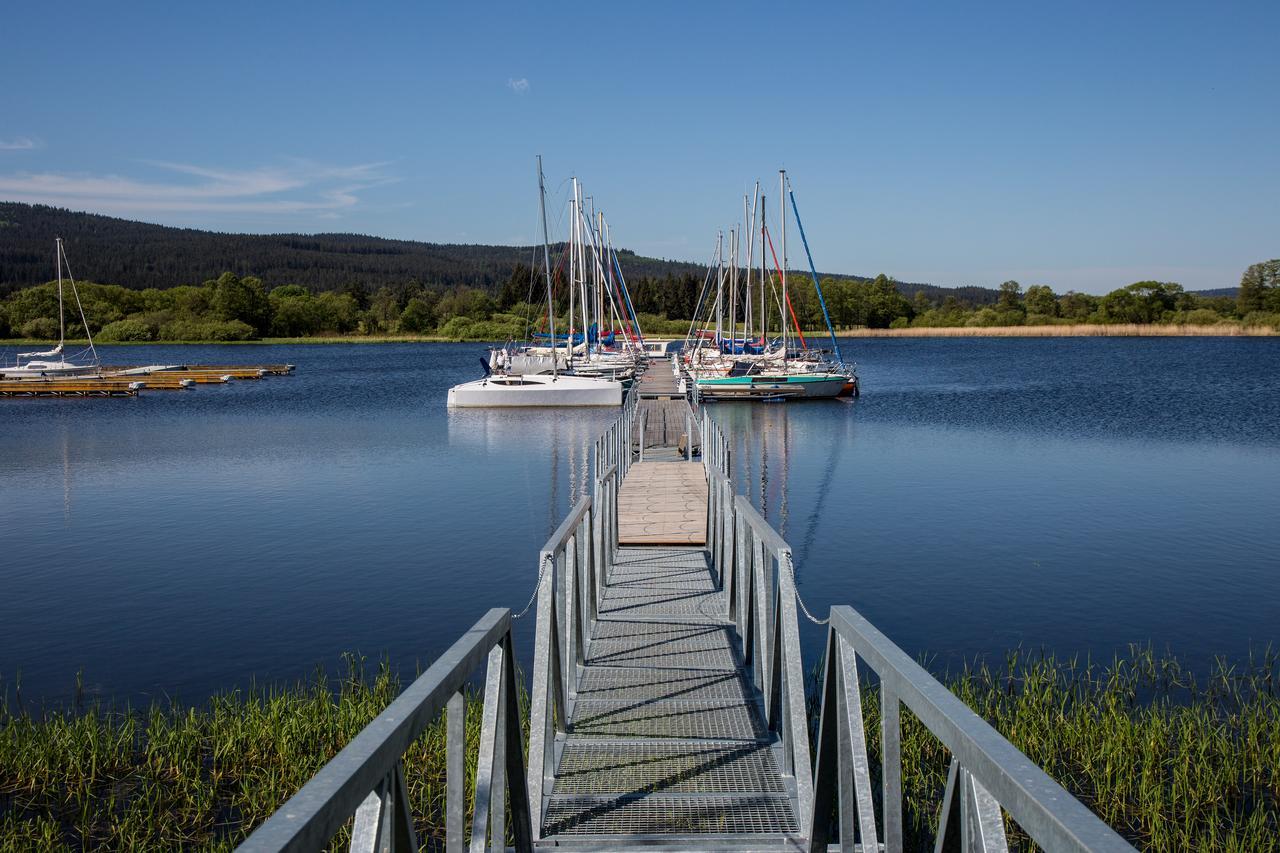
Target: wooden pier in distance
129,381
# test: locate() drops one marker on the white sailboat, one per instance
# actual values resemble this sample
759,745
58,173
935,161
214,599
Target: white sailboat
53,363
536,389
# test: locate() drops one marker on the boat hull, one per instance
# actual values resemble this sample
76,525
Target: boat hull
534,391
772,387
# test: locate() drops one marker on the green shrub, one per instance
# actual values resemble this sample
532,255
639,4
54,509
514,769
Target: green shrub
456,327
899,323
213,330
129,329
1198,317
1263,318
41,329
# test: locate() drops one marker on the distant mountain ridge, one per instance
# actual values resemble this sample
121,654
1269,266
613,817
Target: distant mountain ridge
139,255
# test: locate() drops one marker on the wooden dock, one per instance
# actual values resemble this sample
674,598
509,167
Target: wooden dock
668,736
129,381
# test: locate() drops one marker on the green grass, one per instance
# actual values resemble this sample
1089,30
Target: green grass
1171,762
202,777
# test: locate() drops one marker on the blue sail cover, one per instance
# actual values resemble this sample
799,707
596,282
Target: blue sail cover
593,335
740,346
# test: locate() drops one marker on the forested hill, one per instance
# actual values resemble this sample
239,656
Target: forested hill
139,255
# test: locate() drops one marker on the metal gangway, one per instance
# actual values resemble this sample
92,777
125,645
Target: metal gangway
667,702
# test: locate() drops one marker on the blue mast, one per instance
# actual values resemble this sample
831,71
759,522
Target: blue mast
813,272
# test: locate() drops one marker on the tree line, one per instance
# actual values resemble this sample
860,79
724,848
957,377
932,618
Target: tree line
238,308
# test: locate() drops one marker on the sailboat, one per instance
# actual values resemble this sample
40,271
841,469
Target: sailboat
730,367
536,389
53,363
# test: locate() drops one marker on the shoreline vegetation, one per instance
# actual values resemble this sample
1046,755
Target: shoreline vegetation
232,309
1171,761
1073,330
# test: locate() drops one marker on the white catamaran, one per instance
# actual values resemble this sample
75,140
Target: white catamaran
504,386
53,364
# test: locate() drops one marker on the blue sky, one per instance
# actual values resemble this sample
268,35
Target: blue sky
1080,145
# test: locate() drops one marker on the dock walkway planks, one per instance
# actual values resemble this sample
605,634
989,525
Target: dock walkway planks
666,740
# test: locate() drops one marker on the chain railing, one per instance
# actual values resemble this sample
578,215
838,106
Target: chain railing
366,779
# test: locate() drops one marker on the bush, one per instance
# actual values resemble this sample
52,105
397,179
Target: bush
1263,318
40,329
456,327
899,323
1198,317
417,317
984,317
214,330
130,329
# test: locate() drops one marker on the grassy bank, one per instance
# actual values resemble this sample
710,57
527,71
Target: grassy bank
1172,763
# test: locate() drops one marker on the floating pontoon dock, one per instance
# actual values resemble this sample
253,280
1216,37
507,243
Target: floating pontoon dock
128,381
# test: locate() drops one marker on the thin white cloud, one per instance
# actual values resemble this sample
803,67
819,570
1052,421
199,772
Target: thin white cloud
300,186
18,143
519,86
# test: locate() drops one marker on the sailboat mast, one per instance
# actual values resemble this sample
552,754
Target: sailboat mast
786,303
749,221
764,278
582,273
573,268
719,288
546,263
62,321
733,288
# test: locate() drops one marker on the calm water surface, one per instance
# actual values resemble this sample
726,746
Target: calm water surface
1071,494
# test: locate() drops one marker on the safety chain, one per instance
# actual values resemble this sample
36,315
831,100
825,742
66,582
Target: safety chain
796,588
547,560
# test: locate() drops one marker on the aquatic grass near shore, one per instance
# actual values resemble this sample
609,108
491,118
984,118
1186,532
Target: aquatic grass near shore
201,777
1171,762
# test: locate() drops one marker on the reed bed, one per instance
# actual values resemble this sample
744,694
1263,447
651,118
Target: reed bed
1067,330
1171,762
200,778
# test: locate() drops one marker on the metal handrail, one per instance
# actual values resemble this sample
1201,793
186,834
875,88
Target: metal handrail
754,568
573,566
988,774
366,779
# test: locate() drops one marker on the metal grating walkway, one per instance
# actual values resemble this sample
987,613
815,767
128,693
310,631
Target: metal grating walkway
667,741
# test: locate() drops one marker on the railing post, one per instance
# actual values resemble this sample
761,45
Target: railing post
455,773
891,753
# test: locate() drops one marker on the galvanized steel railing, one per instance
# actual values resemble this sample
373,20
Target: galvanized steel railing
573,567
366,779
988,776
752,564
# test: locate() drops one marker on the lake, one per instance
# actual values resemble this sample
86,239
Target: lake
1076,495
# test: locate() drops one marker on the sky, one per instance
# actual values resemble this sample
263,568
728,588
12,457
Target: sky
1080,145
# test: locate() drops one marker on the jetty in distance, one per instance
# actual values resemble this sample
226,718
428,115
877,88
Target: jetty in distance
668,706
